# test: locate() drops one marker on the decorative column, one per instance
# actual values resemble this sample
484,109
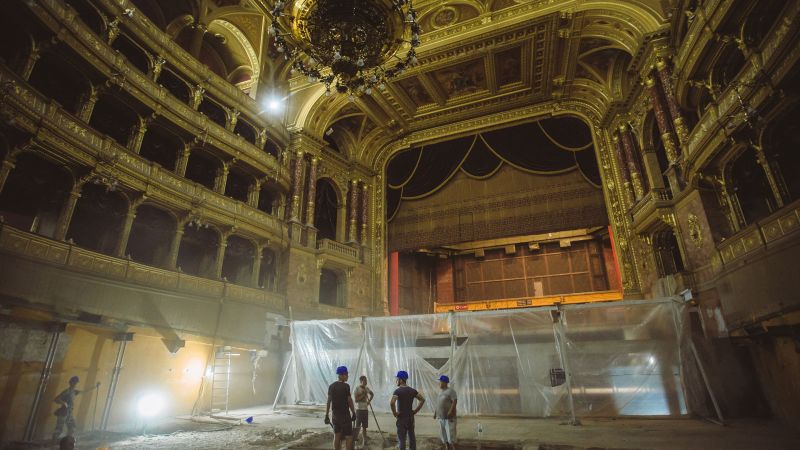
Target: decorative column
255,281
6,167
87,102
629,146
312,191
665,75
197,96
220,258
232,117
65,216
364,213
175,245
183,160
158,64
122,242
622,163
352,213
254,193
30,62
222,178
137,135
660,112
777,188
297,186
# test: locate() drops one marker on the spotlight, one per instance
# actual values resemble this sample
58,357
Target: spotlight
273,104
150,405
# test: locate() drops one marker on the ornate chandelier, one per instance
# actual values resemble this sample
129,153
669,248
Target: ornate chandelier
346,44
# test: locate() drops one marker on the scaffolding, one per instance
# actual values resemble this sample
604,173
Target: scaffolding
612,359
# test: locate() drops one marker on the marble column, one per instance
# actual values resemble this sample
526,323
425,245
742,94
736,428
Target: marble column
255,281
312,191
662,120
297,186
622,163
220,258
364,213
87,103
352,230
175,245
665,76
122,241
632,157
137,135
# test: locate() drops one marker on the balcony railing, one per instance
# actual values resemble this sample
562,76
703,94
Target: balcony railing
67,133
71,257
108,61
338,249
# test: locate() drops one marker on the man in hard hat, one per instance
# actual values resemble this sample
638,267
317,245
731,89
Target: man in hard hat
402,403
341,403
64,414
445,413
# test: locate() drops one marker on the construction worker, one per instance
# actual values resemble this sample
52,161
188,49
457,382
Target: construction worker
402,402
339,400
64,414
364,397
445,413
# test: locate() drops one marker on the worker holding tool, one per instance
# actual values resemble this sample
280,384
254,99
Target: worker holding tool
341,404
364,397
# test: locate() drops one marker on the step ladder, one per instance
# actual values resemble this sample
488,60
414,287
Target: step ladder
221,379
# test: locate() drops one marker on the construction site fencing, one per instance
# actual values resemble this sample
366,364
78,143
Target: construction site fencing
602,359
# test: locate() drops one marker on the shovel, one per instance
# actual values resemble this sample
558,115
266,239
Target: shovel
383,440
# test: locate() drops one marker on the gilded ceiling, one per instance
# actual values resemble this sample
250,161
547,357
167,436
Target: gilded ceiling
477,58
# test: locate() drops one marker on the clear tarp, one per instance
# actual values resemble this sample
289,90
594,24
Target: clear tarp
615,359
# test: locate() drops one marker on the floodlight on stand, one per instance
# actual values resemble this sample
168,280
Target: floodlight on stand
150,405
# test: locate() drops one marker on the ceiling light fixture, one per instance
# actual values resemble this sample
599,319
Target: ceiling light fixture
347,45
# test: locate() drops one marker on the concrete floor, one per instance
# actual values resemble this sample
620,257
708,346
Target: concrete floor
303,428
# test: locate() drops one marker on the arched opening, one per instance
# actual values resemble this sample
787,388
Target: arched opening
267,275
238,185
98,218
113,117
89,15
667,252
751,188
266,200
245,130
66,88
34,194
175,85
331,290
237,267
151,236
213,111
781,143
272,148
203,168
15,42
326,209
198,251
161,146
132,52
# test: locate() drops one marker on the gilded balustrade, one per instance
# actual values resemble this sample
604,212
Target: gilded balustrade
54,127
73,258
104,58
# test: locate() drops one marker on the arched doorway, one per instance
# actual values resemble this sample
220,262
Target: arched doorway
326,210
237,267
98,218
151,235
198,251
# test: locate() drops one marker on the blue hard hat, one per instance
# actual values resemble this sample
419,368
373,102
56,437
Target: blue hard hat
403,375
444,378
74,380
341,370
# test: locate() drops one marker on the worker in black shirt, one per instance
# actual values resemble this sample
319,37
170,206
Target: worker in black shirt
340,401
402,401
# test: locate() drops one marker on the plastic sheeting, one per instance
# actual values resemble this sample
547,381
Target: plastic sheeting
620,359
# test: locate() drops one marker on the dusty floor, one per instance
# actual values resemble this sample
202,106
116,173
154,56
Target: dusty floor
303,428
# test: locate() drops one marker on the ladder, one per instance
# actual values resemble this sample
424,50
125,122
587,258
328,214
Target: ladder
221,379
